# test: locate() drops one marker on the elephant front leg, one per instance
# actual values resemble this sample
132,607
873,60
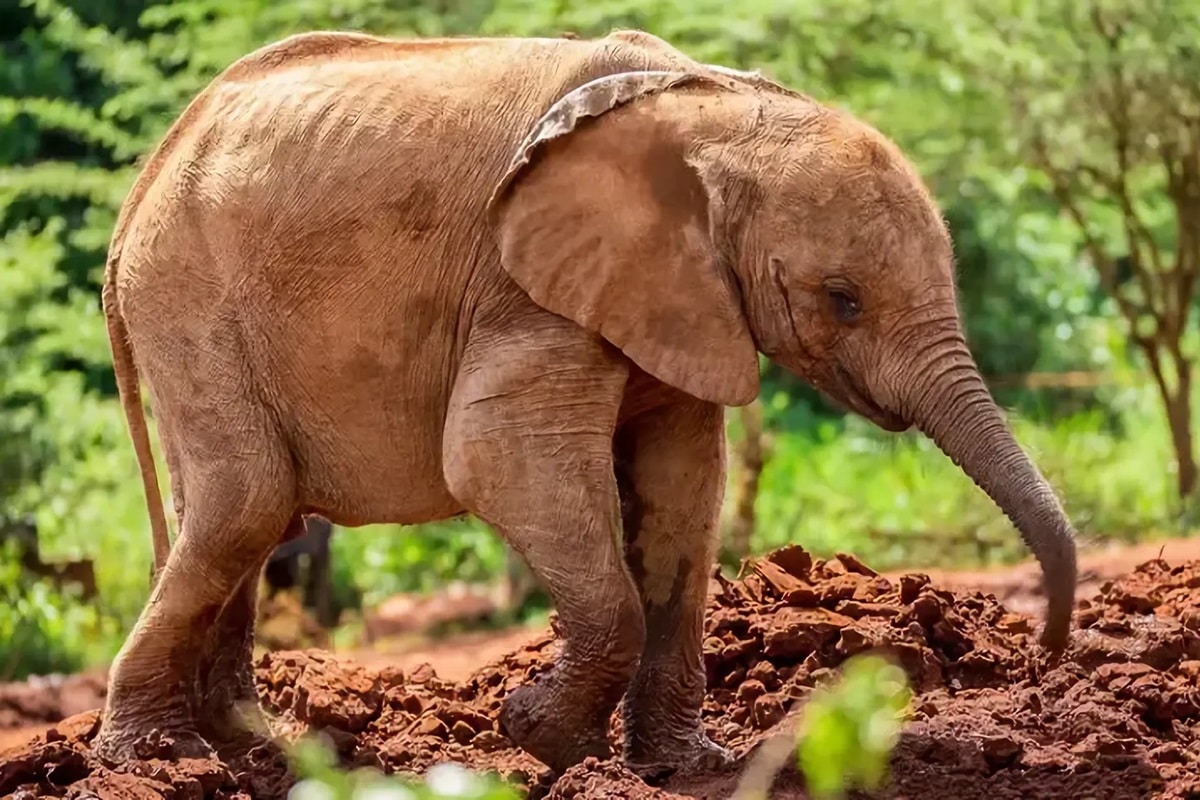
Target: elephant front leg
528,449
671,469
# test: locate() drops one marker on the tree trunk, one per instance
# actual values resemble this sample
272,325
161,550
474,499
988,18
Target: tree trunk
1179,418
516,585
1177,402
749,458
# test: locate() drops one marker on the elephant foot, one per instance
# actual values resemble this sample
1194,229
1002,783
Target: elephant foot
694,753
554,725
119,741
145,720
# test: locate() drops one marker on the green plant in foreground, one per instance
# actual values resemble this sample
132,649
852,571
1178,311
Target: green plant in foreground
849,728
322,780
845,736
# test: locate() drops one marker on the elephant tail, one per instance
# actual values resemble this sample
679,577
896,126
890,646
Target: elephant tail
131,402
118,334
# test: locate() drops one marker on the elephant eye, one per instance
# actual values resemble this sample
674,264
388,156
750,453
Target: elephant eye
845,305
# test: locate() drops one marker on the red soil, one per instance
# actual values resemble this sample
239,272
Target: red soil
1117,717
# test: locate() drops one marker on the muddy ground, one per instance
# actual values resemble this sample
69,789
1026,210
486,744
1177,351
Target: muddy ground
1118,717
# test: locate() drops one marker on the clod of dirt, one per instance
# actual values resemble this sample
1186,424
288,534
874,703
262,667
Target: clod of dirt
1117,717
594,778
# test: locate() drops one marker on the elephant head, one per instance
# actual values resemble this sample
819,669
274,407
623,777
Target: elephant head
695,219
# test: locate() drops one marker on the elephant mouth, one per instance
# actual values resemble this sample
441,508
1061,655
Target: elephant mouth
859,401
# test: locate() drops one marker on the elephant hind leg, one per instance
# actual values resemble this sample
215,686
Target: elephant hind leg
241,494
229,711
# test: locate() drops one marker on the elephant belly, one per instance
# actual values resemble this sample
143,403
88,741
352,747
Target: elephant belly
378,461
364,399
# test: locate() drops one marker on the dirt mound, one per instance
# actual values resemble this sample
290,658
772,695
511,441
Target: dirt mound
49,699
1119,717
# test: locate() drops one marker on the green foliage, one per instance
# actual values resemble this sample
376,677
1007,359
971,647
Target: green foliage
43,629
381,560
849,728
322,780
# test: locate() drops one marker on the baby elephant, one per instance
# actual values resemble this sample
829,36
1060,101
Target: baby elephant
389,281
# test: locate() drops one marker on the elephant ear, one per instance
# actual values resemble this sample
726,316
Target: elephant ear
602,219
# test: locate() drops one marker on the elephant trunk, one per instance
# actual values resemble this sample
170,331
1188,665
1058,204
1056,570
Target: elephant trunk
952,405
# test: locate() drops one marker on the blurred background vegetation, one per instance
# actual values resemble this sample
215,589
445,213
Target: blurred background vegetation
1062,138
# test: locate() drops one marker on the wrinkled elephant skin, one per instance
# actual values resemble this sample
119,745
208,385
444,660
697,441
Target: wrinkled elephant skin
388,281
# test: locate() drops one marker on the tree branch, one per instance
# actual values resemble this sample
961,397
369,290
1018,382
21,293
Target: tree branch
1060,186
1136,232
1184,190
